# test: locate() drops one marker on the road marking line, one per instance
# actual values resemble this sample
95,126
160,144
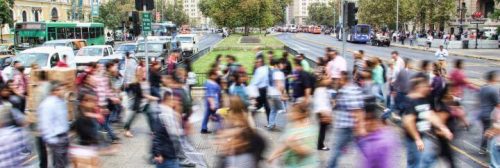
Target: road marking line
471,145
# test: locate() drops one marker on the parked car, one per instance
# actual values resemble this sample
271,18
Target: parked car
75,44
157,50
45,57
90,54
6,49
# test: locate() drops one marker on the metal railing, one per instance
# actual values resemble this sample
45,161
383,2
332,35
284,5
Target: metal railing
293,52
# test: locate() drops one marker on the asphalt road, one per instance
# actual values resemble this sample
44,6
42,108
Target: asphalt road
466,143
314,46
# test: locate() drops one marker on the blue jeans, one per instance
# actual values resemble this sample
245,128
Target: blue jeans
412,153
494,148
276,105
430,153
378,91
342,138
168,163
106,127
206,117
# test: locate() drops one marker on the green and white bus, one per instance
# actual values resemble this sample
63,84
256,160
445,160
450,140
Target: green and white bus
32,34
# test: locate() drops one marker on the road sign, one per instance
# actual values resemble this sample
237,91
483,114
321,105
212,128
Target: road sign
146,21
478,21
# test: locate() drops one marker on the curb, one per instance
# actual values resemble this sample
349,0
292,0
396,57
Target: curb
451,53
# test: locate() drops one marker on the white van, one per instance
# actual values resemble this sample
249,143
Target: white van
46,57
189,43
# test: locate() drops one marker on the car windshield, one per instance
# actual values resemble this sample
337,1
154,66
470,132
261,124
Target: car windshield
126,48
185,39
152,47
27,59
54,44
90,52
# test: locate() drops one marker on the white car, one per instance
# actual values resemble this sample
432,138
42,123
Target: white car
89,54
45,57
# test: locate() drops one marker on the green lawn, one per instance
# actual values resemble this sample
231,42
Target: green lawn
233,43
245,58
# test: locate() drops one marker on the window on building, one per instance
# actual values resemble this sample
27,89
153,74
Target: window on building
25,16
54,14
36,16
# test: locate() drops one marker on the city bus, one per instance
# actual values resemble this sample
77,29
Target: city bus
359,33
164,29
32,34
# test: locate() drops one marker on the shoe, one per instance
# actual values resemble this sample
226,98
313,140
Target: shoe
186,163
324,149
116,141
128,134
204,131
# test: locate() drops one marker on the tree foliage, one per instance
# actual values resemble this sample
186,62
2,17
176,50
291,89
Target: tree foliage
382,13
173,12
322,14
243,13
114,12
5,12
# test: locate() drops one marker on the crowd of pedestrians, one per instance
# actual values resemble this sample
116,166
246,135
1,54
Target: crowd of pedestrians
425,101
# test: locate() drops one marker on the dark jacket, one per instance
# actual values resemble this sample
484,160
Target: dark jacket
162,144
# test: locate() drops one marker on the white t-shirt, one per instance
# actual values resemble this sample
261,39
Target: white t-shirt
277,76
322,100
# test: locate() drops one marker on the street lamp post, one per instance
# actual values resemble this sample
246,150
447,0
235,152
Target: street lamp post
461,9
1,30
343,4
397,16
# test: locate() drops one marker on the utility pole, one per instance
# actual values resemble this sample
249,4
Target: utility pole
397,16
144,8
343,25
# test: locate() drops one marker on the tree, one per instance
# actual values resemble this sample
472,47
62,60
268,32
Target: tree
322,14
5,15
114,12
242,13
176,14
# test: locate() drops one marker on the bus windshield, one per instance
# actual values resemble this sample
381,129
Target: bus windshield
363,29
27,42
27,59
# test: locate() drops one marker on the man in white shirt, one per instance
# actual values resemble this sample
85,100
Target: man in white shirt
399,64
260,80
276,91
8,72
441,55
335,67
429,41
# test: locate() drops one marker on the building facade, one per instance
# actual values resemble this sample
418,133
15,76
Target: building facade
465,11
190,7
297,12
49,10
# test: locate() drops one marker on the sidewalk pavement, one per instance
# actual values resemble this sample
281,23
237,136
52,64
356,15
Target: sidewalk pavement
485,54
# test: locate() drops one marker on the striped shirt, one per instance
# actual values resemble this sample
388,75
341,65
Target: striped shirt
349,98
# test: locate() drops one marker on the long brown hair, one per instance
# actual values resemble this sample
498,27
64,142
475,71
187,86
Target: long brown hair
238,112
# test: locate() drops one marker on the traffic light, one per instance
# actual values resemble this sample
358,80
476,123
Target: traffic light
139,4
351,14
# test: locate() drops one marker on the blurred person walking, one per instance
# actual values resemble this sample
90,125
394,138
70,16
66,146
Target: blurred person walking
212,99
298,141
302,84
418,118
12,138
141,92
335,67
489,105
240,145
349,102
380,143
86,126
458,82
164,149
130,69
441,55
305,65
322,107
276,92
261,80
53,124
105,98
287,70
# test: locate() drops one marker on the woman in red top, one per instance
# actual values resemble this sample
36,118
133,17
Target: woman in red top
62,63
458,82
